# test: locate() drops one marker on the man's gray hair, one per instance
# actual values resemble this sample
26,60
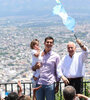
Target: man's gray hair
70,42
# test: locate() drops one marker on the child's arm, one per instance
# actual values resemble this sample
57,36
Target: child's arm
37,54
34,92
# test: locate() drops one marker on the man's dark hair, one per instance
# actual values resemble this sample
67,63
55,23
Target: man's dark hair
49,37
69,93
12,96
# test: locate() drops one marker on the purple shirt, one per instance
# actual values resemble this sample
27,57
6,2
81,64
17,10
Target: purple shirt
48,73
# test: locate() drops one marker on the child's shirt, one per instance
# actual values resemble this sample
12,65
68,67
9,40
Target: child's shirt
34,58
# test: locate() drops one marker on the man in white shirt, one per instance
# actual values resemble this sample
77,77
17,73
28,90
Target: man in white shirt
71,68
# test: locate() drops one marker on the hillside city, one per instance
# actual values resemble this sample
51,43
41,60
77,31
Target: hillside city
15,38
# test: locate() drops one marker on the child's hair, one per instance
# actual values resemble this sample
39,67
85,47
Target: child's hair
32,44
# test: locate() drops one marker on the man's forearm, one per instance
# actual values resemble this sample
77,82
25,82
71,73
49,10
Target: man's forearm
82,46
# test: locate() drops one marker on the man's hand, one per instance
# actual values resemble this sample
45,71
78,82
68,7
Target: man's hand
81,44
56,88
65,80
37,66
35,78
79,41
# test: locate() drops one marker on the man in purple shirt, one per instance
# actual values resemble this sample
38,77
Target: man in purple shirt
48,74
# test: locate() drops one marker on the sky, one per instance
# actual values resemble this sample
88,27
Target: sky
37,7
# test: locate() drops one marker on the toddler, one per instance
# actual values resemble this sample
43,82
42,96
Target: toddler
35,58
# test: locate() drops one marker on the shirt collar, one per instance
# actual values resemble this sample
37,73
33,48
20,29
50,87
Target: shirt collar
49,52
72,56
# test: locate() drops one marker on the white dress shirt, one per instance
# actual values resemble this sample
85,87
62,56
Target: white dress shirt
72,67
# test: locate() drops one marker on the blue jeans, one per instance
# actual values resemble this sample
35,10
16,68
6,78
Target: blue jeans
46,91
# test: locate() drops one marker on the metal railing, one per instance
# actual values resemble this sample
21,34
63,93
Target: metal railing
27,88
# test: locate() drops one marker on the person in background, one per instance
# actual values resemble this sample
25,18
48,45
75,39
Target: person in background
24,97
69,93
12,96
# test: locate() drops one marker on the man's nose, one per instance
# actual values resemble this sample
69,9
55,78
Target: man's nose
70,48
49,43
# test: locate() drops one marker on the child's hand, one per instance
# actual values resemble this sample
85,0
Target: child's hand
36,47
43,53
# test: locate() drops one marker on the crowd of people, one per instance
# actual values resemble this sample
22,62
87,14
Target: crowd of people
49,69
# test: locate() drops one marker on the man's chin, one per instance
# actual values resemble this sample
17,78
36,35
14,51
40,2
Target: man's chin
71,54
49,48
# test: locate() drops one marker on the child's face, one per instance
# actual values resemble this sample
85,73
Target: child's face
36,46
